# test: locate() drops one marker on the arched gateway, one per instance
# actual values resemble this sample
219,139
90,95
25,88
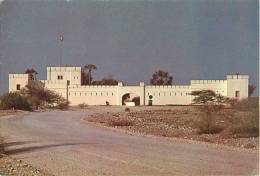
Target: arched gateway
131,97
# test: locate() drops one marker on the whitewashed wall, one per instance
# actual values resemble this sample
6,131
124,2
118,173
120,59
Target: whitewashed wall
168,95
72,74
162,95
237,83
92,95
15,79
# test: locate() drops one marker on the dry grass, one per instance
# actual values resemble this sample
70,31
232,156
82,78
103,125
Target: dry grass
119,122
230,126
110,120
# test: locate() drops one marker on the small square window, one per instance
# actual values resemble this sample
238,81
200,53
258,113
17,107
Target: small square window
237,94
18,87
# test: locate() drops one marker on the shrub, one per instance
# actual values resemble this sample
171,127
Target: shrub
2,149
119,122
63,106
15,101
247,104
83,105
40,96
206,124
247,126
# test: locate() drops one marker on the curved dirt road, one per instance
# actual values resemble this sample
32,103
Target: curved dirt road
62,144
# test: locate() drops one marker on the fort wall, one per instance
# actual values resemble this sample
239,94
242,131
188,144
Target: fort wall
69,86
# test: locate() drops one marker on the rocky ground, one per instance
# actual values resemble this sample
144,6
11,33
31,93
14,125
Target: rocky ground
176,122
62,143
11,166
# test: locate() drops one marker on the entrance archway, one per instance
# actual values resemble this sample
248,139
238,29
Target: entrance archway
131,97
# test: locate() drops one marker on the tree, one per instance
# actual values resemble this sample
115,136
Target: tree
32,73
208,97
87,74
15,100
108,80
38,96
211,104
161,77
251,89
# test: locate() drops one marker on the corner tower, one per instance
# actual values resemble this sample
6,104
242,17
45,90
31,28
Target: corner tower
237,86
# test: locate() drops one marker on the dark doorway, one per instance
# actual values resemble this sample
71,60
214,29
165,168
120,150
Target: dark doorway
125,98
136,100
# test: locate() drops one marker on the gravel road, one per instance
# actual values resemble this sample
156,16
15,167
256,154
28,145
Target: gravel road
60,142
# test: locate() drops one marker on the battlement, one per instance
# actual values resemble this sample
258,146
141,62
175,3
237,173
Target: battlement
64,68
207,81
237,77
92,86
169,86
53,81
18,76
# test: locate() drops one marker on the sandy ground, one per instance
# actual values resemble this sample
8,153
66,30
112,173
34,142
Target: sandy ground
61,143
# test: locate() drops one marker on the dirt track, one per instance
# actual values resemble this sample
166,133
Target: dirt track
62,144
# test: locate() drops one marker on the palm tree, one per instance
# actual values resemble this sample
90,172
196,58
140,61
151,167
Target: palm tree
32,73
88,70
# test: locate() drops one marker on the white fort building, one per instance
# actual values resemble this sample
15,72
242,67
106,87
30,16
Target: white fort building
67,82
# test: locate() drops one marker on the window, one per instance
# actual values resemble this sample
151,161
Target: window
60,77
237,94
18,87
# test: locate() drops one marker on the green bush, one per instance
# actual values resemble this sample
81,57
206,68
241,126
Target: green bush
15,101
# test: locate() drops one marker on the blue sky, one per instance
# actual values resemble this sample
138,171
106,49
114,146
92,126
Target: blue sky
202,39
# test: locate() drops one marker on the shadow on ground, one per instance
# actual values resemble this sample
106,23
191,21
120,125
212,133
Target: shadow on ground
18,148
